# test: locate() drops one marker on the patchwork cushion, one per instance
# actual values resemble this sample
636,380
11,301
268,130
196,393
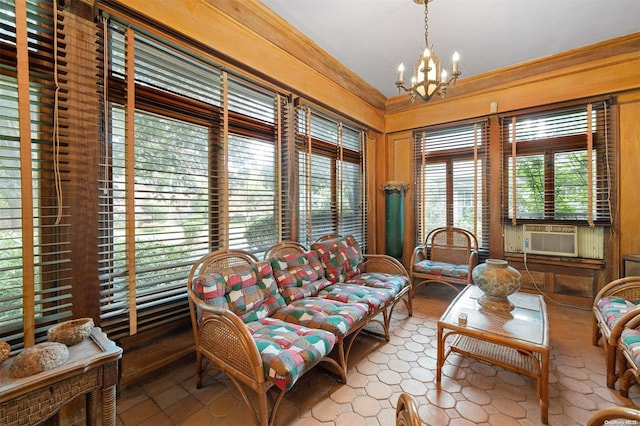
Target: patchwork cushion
210,289
328,255
442,269
314,261
270,293
296,277
350,256
242,290
392,282
288,350
630,339
330,315
355,293
341,257
614,307
248,291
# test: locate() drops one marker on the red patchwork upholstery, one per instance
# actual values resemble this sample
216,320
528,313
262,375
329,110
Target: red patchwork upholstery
314,312
296,277
289,350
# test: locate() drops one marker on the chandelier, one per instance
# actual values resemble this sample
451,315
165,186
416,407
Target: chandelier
428,77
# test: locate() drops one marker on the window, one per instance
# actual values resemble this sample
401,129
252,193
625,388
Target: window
451,164
190,165
557,165
331,181
34,215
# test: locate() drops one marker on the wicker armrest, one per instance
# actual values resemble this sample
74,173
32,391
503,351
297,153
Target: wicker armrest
629,320
226,341
419,254
614,415
383,263
628,287
473,262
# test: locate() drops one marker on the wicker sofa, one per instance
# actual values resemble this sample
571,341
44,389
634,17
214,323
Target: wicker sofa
266,323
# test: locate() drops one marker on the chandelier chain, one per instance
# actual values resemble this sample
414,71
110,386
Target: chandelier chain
426,24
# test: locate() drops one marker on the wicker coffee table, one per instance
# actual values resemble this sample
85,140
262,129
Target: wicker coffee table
517,341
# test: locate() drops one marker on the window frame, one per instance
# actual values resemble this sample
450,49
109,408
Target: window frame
601,143
231,117
312,124
449,150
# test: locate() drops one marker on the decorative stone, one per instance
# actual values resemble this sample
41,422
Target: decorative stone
498,281
5,351
36,359
71,332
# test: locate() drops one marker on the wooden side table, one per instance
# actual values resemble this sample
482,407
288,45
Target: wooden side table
92,367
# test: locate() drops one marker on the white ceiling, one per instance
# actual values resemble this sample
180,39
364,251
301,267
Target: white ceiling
371,37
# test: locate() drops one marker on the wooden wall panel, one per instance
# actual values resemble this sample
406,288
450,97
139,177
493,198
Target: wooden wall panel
399,165
629,175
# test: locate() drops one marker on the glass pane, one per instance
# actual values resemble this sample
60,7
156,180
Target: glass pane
351,196
571,185
466,206
252,194
317,209
10,207
529,186
435,196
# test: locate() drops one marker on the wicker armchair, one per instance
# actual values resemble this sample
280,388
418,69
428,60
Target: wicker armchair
610,415
407,411
447,256
613,310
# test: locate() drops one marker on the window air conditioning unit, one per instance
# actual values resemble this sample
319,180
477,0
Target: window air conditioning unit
553,240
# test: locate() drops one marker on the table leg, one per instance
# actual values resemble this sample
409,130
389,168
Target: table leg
440,360
109,406
92,407
544,387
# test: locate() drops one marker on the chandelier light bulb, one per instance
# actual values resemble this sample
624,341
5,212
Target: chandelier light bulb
401,72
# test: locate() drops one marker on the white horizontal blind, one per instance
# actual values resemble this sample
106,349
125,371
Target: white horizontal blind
451,169
34,217
562,168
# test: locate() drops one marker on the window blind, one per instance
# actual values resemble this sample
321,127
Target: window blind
558,164
192,167
331,178
451,170
34,217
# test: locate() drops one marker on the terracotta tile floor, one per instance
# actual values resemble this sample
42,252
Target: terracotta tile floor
472,393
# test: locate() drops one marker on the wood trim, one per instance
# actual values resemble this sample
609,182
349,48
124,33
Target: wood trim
130,182
26,184
604,68
272,27
242,50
